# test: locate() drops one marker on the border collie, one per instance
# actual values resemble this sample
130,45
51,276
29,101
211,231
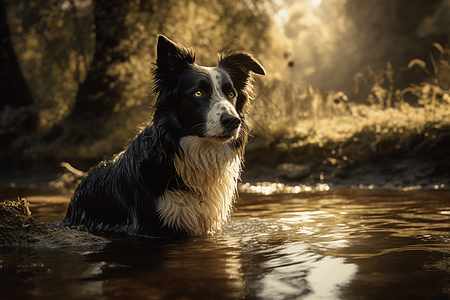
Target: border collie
178,177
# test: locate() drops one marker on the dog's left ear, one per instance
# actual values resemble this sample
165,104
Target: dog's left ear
241,63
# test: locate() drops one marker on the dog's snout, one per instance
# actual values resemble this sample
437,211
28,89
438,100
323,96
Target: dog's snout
230,122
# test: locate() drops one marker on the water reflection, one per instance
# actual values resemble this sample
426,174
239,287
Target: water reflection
192,269
328,276
295,272
270,188
339,244
351,231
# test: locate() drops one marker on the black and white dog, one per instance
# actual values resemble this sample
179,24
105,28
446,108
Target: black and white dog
179,176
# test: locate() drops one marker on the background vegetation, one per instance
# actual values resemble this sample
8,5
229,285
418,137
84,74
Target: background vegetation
347,80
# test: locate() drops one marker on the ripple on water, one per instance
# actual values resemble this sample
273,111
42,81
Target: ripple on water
317,244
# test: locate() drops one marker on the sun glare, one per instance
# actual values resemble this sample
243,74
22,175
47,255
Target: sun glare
315,3
281,17
309,7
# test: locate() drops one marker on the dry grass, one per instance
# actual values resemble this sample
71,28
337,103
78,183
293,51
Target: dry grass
290,118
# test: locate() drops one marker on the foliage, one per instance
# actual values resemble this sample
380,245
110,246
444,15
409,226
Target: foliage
433,94
344,132
55,43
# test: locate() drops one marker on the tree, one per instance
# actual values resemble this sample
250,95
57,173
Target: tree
113,99
18,113
99,93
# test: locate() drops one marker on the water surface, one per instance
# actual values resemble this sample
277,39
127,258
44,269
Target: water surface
338,244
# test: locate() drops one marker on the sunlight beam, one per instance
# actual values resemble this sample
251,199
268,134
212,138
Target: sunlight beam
315,3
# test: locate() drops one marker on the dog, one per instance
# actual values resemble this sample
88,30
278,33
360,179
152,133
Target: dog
179,176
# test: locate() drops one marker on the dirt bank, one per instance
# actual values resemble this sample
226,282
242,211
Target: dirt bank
422,160
18,229
425,163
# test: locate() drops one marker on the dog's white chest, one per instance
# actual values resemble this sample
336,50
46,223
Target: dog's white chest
210,171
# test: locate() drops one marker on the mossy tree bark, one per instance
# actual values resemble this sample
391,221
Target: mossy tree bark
18,112
101,90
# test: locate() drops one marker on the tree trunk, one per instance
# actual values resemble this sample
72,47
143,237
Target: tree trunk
13,87
100,92
18,112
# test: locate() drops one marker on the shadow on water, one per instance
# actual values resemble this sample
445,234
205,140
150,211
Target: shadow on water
339,244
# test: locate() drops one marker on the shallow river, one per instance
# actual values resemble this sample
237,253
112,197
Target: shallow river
338,244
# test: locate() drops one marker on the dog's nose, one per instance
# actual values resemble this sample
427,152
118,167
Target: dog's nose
230,122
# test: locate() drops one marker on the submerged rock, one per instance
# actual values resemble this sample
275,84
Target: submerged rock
293,171
18,229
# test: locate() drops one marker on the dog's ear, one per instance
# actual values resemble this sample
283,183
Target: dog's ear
239,64
172,57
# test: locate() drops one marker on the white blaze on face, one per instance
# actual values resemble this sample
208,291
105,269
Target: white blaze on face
219,105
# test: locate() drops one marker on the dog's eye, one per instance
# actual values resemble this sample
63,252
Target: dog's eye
198,94
231,94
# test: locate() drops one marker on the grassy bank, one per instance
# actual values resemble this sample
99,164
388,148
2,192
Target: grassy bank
297,125
363,133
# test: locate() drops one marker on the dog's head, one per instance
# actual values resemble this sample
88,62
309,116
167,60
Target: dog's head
207,102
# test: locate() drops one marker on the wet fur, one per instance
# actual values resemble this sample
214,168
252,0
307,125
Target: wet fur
179,176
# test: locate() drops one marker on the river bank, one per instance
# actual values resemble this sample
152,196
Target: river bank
427,169
423,163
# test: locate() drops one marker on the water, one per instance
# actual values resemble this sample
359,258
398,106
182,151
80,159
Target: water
338,244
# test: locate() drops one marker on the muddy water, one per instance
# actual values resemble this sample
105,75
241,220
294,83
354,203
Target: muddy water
339,244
